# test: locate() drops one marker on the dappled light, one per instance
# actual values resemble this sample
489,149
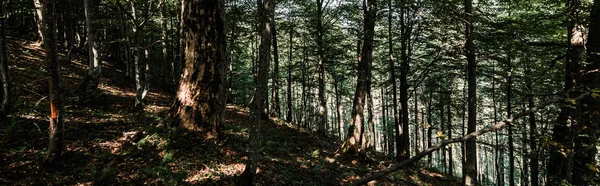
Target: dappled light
302,92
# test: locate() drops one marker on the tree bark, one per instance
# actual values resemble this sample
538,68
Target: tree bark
450,159
511,148
200,99
392,69
265,13
6,105
404,152
91,80
322,112
560,166
289,78
353,143
276,108
56,138
37,4
584,164
534,165
471,148
372,141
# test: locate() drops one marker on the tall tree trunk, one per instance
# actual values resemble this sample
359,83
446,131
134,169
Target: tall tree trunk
417,125
471,148
56,139
289,78
200,100
137,64
338,105
168,75
384,120
304,87
560,166
584,164
276,108
499,175
430,128
450,159
265,14
91,80
392,69
511,147
404,152
322,112
352,143
443,129
6,104
532,134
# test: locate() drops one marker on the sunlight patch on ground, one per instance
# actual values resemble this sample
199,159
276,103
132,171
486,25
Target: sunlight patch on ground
111,146
155,108
216,173
117,91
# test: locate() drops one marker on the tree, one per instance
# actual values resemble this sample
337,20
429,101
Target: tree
322,112
560,165
200,99
90,82
392,70
404,149
265,15
585,165
470,166
6,104
39,18
276,108
354,142
289,117
56,139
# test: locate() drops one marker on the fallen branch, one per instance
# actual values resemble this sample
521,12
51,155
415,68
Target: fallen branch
472,135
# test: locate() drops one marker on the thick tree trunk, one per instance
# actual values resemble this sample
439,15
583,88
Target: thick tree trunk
91,80
201,94
265,12
584,164
56,139
471,148
6,104
353,143
560,166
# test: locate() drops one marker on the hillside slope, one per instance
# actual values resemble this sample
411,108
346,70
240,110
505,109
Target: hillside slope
109,143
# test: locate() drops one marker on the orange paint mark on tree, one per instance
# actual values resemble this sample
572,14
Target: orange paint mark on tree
53,112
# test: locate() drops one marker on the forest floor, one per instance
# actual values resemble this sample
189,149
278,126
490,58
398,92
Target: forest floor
109,143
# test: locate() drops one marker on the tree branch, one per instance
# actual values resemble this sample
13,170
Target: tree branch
158,7
472,135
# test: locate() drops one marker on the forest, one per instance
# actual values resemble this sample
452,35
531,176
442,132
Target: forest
300,92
